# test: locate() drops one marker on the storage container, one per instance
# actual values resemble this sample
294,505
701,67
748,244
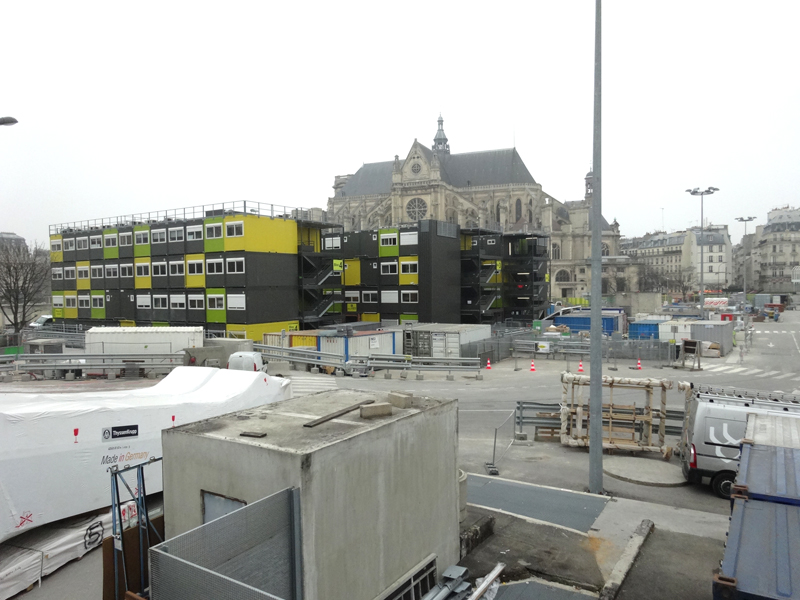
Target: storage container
676,330
720,332
643,330
769,473
584,322
142,340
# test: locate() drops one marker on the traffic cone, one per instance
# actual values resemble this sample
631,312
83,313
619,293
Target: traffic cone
580,367
639,364
533,367
488,364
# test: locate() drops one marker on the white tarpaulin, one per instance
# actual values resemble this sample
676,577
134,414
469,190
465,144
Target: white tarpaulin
56,449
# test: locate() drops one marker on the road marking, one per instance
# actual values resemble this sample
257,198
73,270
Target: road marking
783,332
739,370
752,372
716,368
757,331
784,376
768,374
796,345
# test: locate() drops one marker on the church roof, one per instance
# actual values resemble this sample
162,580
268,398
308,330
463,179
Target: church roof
492,167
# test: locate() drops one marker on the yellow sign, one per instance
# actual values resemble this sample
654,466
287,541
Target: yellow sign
547,277
293,327
352,307
338,265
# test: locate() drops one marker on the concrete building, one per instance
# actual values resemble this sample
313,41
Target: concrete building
776,251
379,496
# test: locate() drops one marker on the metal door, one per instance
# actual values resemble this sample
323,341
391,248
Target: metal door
438,345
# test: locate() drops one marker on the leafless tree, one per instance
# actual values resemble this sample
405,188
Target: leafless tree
24,281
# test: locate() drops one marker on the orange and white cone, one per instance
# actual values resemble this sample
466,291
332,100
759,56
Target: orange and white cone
488,364
580,367
639,364
533,367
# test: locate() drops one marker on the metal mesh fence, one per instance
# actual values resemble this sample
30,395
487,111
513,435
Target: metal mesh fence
250,553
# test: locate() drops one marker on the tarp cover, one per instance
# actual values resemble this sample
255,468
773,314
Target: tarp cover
56,449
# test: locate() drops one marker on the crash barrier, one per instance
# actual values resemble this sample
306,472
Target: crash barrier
57,365
302,356
73,335
663,352
406,362
496,348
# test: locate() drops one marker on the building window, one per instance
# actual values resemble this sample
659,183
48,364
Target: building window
142,238
84,302
111,241
711,248
98,302
215,267
126,270
176,268
195,267
214,231
69,272
333,243
216,302
719,258
143,270
409,268
82,243
69,244
388,239
604,250
411,297
112,271
159,236
177,302
159,269
409,238
83,272
58,301
97,272
562,276
196,303
555,251
176,234
57,274
160,302
369,297
235,265
55,246
389,268
71,301
194,232
234,229
710,268
96,242
236,302
582,271
351,296
389,296
125,239
143,301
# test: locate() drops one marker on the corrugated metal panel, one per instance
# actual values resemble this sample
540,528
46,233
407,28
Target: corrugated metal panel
453,349
643,330
438,345
583,323
362,345
683,330
773,430
720,332
332,344
762,555
770,473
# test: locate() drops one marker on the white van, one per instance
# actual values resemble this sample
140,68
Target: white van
713,429
246,361
41,321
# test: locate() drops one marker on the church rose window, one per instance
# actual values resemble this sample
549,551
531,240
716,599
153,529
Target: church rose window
416,209
416,168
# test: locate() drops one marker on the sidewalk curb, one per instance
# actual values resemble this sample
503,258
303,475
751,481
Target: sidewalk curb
625,562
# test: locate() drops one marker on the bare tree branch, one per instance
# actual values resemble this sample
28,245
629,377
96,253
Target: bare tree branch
24,282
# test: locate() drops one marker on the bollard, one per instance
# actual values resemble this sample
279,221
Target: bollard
420,377
387,375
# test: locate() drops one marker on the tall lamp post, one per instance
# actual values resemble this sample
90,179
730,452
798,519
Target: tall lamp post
702,193
745,220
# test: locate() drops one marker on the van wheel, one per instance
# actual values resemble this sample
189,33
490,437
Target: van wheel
722,483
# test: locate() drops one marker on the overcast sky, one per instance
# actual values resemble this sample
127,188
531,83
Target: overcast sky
133,107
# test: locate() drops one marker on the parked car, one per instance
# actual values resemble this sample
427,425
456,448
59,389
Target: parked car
246,361
41,321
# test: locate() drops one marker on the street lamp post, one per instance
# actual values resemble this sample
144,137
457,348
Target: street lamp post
744,220
702,193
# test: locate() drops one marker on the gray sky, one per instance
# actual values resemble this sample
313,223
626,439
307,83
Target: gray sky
130,107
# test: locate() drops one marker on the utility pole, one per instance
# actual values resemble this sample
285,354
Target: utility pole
744,220
701,193
596,330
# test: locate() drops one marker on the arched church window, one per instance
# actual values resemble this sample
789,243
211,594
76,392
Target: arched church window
555,252
563,276
497,212
604,251
519,209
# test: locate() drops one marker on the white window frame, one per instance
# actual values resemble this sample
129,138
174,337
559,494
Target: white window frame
178,234
55,246
95,242
145,268
84,301
215,262
58,301
409,238
162,300
125,267
177,301
158,269
194,299
333,243
215,228
238,229
409,297
351,296
369,297
388,240
194,263
216,299
98,301
70,301
57,274
178,267
237,302
407,264
97,269
141,238
229,261
110,237
69,244
386,268
111,271
390,297
143,301
491,242
69,272
126,239
82,243
83,272
158,236
192,231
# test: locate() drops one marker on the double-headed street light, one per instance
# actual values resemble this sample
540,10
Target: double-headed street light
701,193
8,121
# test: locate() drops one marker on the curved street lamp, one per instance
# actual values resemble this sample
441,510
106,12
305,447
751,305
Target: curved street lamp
8,121
701,193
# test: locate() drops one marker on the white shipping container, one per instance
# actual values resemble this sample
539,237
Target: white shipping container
142,340
378,342
683,330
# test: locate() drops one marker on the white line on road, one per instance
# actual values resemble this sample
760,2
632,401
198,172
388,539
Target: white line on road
719,368
784,376
796,345
739,370
768,374
752,372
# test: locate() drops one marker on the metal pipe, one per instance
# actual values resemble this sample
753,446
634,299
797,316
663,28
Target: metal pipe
494,573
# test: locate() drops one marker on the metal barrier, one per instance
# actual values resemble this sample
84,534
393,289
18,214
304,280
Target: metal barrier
310,357
491,467
27,363
406,362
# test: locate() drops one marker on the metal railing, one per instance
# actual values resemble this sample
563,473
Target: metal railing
296,355
35,363
406,362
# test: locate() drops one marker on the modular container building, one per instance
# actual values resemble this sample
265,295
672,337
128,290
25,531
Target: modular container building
760,300
439,340
678,329
643,330
720,332
142,340
583,322
357,343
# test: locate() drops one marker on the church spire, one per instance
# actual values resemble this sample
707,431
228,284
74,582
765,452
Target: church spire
440,141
